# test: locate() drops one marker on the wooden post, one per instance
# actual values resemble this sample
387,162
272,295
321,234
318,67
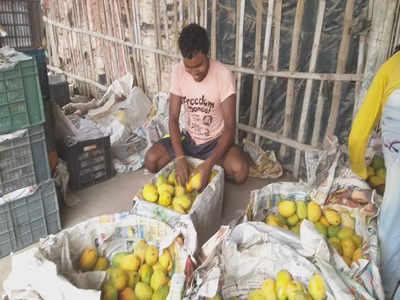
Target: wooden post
318,115
340,68
307,94
290,94
156,8
214,30
277,32
261,99
240,6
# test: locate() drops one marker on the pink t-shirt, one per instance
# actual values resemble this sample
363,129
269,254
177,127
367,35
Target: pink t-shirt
203,100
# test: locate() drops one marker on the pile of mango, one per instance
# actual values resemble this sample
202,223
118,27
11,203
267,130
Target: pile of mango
377,174
284,287
169,193
339,229
140,275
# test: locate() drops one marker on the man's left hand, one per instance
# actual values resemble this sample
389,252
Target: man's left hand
205,171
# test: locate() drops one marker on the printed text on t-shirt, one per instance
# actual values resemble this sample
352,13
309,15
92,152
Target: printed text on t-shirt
198,104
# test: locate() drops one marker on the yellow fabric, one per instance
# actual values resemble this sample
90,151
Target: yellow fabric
385,82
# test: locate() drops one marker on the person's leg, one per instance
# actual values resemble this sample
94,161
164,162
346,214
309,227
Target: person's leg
236,165
157,157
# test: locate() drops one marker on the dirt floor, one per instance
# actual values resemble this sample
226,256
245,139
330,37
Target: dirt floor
115,195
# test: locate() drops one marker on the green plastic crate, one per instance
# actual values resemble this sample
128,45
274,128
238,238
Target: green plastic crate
21,103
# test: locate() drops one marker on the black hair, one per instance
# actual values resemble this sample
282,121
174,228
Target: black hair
193,39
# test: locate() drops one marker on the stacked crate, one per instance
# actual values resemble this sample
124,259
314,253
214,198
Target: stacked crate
28,199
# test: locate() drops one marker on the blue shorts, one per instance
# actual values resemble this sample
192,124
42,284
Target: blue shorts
202,151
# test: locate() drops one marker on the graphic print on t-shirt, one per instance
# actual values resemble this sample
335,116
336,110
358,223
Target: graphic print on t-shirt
201,113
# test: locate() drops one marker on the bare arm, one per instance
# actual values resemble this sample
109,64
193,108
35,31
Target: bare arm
181,166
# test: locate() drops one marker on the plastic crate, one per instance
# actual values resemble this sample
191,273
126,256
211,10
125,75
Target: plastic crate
59,89
25,220
22,20
40,56
21,102
89,162
24,160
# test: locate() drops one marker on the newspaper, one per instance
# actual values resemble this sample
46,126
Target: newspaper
57,258
204,217
253,252
265,201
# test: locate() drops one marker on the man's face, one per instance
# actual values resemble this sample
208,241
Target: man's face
197,66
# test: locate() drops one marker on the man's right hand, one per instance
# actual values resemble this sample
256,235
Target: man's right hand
182,171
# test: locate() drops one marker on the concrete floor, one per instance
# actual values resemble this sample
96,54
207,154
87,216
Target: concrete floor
115,195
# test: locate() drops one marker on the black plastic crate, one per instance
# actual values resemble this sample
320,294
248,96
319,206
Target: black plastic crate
25,220
22,20
23,160
59,89
89,162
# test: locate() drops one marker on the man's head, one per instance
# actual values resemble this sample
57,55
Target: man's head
194,45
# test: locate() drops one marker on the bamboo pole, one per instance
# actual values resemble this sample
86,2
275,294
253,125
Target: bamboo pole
276,137
156,9
90,27
257,59
205,14
176,34
318,115
277,32
138,40
122,37
196,7
307,94
290,94
341,65
240,6
261,101
214,29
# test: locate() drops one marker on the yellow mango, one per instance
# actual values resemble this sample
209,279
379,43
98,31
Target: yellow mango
287,208
316,287
150,193
88,259
332,217
348,247
313,212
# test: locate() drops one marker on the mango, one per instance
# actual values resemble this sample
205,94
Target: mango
109,291
272,220
357,240
183,201
158,279
370,171
127,294
166,188
116,260
119,279
166,260
165,199
256,295
324,221
178,208
133,278
293,289
375,181
269,289
333,231
161,293
345,233
130,262
171,178
161,180
287,208
337,246
332,216
179,191
282,280
334,240
296,228
301,210
150,193
88,259
348,247
151,255
316,287
347,260
378,162
101,264
143,291
140,249
293,220
381,173
357,254
195,181
321,228
313,212
145,273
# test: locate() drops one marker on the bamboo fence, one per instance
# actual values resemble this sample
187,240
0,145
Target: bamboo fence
108,38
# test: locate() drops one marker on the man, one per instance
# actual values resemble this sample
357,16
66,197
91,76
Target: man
206,88
382,104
